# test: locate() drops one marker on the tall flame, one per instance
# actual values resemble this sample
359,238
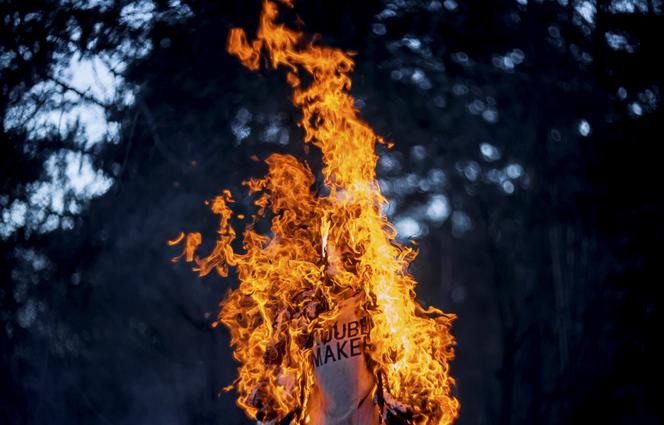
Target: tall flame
320,250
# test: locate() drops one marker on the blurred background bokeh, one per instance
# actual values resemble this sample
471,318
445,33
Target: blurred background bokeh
526,169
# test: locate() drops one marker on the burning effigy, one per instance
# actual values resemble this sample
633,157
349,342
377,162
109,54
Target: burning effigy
324,324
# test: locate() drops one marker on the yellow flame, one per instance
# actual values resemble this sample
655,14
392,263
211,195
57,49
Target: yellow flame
319,250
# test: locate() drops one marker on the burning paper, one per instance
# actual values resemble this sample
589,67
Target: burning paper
320,252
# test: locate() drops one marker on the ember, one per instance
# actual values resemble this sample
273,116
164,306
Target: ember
284,318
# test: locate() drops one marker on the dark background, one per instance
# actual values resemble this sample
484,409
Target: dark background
526,167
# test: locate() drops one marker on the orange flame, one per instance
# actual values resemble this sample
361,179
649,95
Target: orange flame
321,249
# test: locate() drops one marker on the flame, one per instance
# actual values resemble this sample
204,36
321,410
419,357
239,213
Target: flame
320,249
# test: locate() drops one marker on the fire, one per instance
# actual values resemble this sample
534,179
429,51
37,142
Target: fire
321,249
